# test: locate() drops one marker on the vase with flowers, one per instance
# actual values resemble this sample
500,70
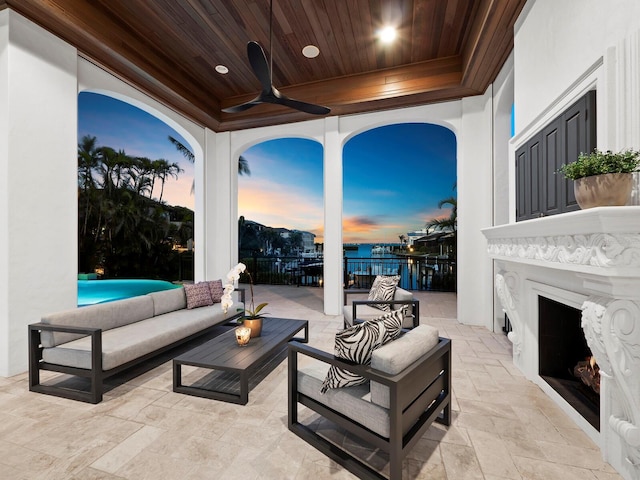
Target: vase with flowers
252,317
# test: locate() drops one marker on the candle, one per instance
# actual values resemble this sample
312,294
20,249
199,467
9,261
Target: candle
243,334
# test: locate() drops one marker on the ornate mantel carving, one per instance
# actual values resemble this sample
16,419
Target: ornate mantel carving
596,250
507,285
612,330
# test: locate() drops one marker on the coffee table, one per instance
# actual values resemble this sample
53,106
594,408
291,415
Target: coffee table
224,354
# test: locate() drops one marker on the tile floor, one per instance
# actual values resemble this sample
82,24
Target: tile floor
504,427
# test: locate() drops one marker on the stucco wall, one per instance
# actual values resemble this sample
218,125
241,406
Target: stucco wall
557,41
38,259
4,191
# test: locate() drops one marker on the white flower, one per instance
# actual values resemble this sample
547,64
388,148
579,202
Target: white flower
232,277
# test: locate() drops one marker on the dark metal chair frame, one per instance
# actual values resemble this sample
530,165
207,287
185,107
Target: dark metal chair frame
415,305
419,394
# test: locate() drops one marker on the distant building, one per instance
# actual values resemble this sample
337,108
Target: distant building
415,235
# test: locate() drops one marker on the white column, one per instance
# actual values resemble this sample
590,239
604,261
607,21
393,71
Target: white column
218,207
475,268
333,250
38,184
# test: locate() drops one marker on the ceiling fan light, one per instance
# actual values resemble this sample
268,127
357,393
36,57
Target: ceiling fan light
311,51
387,34
222,69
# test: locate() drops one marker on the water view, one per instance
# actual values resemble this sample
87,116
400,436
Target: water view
362,262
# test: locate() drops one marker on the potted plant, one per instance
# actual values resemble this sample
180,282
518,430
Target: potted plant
252,318
602,178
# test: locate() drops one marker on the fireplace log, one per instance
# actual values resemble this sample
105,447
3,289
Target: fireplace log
589,375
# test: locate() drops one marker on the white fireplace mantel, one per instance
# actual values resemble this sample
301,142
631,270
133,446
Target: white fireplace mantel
589,259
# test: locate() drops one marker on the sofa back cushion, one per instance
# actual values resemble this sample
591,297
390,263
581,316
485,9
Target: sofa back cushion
168,301
397,355
102,315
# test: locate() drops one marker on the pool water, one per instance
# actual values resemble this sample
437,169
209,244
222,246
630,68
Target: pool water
99,291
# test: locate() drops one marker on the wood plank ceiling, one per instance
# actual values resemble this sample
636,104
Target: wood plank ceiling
446,49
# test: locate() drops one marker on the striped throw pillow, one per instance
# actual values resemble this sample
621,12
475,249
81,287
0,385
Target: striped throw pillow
383,289
357,343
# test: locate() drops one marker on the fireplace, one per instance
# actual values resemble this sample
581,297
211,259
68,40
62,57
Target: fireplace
564,358
581,269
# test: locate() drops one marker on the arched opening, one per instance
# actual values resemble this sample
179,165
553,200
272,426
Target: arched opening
280,208
399,209
135,194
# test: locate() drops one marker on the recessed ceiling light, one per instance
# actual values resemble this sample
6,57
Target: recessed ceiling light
387,34
222,69
311,51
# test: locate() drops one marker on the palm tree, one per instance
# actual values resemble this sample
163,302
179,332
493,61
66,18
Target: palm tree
163,169
87,161
243,166
446,224
402,239
186,153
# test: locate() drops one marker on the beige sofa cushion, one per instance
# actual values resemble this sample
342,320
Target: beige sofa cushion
168,301
121,345
103,315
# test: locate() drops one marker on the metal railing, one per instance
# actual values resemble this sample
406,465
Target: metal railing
416,273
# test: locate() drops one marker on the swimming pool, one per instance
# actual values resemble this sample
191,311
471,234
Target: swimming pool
100,291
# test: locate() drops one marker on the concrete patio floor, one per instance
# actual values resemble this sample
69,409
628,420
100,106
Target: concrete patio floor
504,427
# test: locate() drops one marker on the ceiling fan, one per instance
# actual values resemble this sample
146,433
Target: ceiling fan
263,71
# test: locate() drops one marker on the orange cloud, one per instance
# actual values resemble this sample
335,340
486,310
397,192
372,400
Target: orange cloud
438,213
276,205
370,230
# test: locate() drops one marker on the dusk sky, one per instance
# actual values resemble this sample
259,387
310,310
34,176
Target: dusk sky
394,176
119,125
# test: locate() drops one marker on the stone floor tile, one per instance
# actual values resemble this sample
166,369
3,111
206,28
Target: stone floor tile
116,458
493,455
143,429
150,466
574,455
540,470
460,462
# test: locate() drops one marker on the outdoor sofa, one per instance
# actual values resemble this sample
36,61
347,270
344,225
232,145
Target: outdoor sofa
99,341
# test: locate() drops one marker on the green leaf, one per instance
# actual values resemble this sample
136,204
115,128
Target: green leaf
259,308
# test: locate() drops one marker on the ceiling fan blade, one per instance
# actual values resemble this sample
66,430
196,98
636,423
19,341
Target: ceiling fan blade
243,106
302,106
258,61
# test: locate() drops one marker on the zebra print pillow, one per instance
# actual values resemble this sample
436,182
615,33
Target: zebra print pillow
357,343
383,289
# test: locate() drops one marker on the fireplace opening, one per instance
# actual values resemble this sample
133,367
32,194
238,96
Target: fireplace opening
565,360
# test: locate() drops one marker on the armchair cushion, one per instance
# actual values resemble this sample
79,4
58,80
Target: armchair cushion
395,356
383,289
357,343
368,312
353,402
